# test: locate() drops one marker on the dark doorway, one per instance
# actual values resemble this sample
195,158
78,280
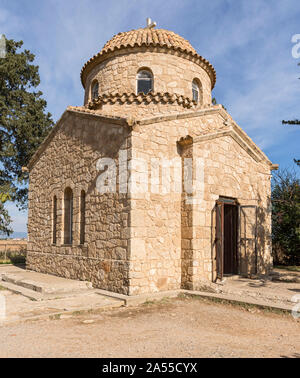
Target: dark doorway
230,238
226,237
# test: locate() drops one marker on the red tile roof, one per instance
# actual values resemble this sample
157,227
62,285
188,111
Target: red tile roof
139,98
147,37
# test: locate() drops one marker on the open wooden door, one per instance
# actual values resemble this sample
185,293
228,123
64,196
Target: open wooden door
219,239
248,240
226,237
230,239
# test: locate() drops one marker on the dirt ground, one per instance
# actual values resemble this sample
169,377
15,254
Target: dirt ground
181,327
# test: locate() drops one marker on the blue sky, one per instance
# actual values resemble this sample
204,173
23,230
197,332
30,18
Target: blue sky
248,43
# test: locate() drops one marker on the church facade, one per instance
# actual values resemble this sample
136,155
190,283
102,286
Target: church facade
148,186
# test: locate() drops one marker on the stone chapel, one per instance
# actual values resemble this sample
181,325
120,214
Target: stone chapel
148,104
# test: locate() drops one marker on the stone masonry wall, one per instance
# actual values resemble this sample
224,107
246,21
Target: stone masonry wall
172,73
150,239
229,171
70,161
171,242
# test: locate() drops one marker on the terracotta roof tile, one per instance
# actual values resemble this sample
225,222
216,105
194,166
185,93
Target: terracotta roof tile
149,37
122,98
83,109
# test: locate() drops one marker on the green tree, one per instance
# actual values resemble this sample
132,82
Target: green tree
4,216
215,102
293,122
24,124
286,217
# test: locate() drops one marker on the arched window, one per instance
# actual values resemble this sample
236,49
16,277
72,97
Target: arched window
82,217
68,216
196,91
95,90
144,82
54,219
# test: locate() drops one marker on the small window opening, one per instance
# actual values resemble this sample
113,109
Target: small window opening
54,225
82,217
196,91
144,82
95,91
68,216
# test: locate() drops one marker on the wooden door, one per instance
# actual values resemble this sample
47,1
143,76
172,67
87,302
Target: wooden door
220,239
248,240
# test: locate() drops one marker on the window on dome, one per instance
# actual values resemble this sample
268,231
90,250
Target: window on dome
144,82
95,90
195,90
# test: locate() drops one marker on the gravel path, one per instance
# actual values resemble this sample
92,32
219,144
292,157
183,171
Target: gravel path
171,328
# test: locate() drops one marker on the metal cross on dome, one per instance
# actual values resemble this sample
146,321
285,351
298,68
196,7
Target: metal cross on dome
150,24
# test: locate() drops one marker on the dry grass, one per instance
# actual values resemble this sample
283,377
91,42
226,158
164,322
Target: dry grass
290,268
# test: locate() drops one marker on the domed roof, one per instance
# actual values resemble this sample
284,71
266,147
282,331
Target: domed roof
147,37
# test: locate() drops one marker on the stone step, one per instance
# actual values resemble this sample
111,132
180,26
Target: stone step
40,296
22,283
53,284
33,295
